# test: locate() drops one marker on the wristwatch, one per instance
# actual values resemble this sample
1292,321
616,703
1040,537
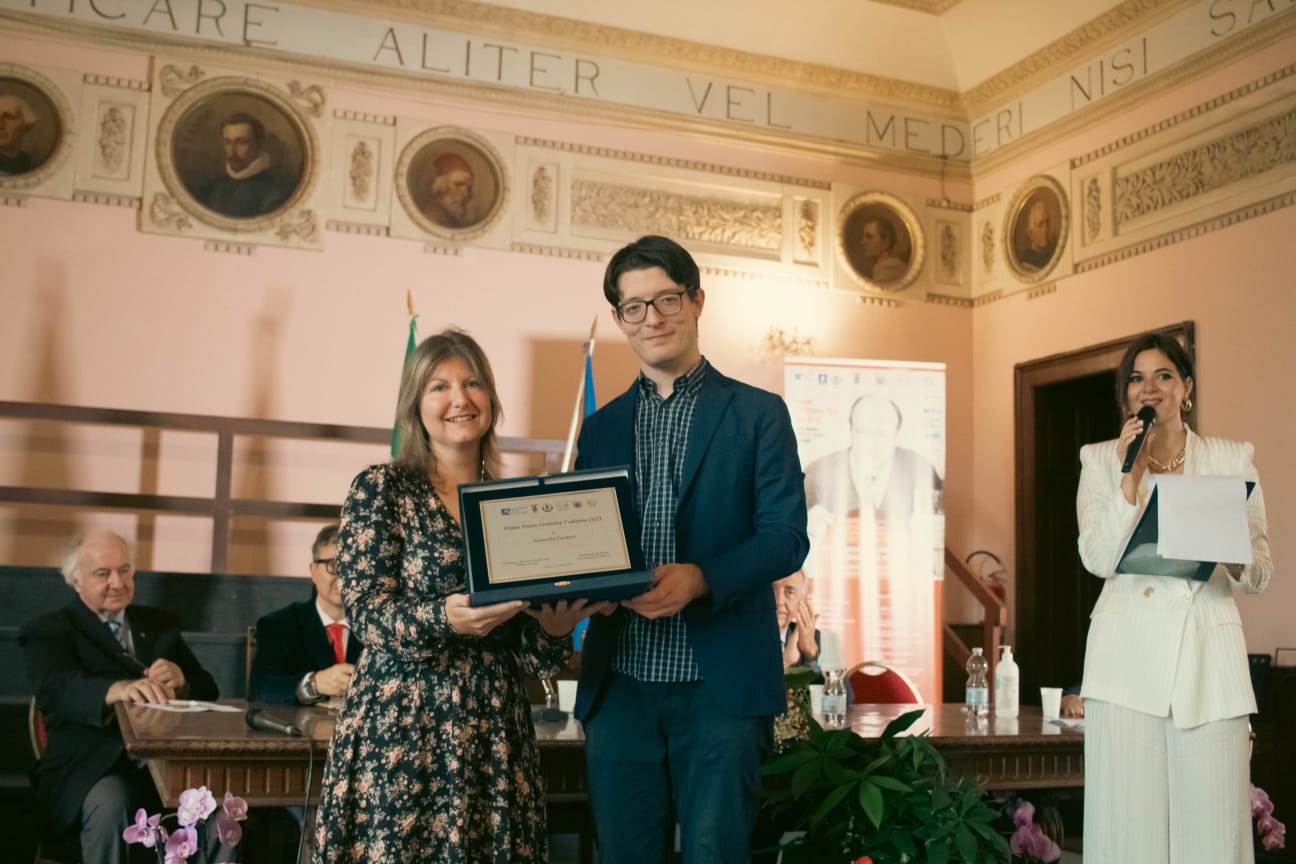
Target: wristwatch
310,693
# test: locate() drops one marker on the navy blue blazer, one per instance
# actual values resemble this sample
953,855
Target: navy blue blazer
741,518
72,659
291,642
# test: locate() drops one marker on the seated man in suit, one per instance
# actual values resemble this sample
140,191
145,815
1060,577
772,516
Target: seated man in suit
798,635
82,660
304,651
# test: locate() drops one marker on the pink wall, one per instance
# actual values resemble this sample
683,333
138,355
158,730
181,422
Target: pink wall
1235,283
94,312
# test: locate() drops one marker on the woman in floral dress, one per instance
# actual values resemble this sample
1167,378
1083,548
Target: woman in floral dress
434,755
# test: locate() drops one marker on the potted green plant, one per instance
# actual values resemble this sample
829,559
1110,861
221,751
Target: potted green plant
840,797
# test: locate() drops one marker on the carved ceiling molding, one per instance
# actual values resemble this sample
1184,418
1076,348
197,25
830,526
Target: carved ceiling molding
1183,116
950,300
668,162
1248,41
627,44
931,7
557,252
1205,168
1065,51
749,226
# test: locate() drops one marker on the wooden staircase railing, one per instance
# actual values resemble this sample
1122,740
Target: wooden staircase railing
994,617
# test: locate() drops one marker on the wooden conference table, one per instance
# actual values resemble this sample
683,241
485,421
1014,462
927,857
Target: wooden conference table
217,750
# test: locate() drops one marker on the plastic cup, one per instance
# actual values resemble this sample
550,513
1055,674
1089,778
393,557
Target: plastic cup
1051,702
816,699
566,694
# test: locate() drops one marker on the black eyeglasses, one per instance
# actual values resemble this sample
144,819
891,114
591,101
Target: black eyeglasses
667,303
330,564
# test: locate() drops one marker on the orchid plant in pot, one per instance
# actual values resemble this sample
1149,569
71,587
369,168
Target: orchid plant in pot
192,824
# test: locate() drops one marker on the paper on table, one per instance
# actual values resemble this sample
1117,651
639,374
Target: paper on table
1203,518
192,705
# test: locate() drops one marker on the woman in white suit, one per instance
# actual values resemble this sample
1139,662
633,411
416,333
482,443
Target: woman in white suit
1167,685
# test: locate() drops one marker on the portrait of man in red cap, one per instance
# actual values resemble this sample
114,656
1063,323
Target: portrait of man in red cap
450,192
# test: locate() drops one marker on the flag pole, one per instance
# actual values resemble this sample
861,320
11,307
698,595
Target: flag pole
580,399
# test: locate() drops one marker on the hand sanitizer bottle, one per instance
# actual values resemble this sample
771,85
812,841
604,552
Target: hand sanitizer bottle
1007,681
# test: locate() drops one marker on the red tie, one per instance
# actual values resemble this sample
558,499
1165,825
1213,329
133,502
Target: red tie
335,636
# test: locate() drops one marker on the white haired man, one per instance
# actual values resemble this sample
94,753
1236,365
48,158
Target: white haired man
82,660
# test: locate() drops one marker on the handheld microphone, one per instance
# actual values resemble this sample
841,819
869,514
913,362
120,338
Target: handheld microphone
1148,415
258,719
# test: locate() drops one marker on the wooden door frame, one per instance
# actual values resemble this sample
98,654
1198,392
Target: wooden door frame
1033,374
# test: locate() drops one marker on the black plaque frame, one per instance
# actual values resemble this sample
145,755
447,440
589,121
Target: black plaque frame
597,586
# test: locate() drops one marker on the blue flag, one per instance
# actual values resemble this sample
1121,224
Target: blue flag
591,405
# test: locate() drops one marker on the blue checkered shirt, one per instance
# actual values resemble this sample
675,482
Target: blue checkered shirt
658,649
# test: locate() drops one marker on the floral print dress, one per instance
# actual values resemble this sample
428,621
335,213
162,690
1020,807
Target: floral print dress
434,756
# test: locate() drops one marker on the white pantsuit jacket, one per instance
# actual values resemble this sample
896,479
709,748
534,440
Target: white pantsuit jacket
1160,644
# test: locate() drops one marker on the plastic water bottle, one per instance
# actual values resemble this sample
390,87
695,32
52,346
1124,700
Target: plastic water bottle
834,698
834,670
978,688
1007,680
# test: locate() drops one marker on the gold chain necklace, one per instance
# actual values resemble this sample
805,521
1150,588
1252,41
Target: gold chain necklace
1157,468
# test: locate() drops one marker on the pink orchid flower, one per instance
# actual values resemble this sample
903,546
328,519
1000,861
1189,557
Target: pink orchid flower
144,831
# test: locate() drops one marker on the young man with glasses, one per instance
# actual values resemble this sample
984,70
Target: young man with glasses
304,651
680,685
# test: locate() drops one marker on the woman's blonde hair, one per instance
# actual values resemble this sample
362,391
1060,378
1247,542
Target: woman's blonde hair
414,450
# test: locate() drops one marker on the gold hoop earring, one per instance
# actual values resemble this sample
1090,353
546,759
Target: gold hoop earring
1186,405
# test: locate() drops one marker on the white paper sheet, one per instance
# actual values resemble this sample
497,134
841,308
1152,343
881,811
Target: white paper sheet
192,705
1203,519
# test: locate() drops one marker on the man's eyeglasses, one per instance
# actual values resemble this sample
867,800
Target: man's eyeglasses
330,564
667,303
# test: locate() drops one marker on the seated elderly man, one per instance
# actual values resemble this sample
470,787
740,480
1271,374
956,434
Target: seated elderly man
82,660
796,621
305,652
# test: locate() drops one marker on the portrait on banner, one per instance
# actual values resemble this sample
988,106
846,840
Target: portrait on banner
880,241
1035,233
451,182
240,154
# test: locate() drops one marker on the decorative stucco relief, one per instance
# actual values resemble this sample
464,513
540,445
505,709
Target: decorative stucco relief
175,80
807,233
1202,169
635,210
1093,208
987,245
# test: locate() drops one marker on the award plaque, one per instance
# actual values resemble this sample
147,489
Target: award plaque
559,537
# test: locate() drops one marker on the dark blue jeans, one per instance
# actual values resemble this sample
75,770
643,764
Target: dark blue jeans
658,753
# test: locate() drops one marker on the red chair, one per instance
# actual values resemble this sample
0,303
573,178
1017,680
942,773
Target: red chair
879,684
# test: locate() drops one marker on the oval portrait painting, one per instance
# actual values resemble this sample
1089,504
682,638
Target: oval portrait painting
452,183
30,127
880,240
239,155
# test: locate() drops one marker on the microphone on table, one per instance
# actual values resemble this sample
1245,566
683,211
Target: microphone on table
258,719
1148,415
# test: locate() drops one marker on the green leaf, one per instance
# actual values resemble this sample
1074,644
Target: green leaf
966,844
901,723
835,774
805,777
889,783
870,798
785,762
904,843
938,852
834,798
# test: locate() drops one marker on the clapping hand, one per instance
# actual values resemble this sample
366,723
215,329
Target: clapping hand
806,620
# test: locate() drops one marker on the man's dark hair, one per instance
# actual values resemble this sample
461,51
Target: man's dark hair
258,128
327,536
652,251
1162,342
